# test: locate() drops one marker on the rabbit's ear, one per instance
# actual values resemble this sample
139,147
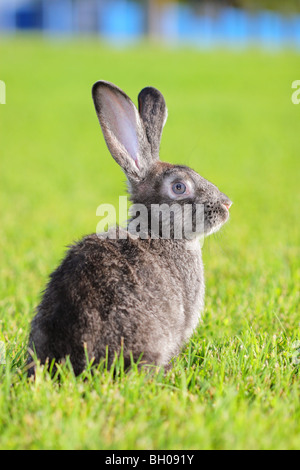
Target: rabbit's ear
123,129
154,113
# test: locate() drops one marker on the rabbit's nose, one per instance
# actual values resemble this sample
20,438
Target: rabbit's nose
227,203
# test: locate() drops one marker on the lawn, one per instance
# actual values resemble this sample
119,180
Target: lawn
231,118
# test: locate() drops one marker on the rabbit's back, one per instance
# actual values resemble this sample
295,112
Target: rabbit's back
142,295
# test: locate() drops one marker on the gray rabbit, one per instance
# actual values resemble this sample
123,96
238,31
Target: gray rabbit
142,295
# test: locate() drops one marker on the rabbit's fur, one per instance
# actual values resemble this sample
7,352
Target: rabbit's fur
143,295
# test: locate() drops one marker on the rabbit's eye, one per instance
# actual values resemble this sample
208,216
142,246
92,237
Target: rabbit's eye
179,188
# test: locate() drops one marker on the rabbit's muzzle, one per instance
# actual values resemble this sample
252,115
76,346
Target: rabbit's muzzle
216,214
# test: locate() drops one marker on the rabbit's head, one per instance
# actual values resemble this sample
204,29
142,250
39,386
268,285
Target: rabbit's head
133,139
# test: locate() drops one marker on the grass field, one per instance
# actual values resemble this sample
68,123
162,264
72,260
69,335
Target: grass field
236,384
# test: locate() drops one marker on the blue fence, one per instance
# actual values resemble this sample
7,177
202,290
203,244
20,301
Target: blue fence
126,20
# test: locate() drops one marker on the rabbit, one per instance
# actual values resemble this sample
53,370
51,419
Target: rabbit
139,295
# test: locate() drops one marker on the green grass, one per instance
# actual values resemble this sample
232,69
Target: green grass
236,384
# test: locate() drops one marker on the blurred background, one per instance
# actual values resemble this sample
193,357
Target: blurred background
270,23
